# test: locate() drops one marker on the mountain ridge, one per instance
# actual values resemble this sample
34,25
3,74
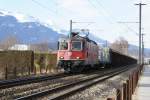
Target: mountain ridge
34,32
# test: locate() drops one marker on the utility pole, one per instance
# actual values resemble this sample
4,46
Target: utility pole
140,15
142,49
70,35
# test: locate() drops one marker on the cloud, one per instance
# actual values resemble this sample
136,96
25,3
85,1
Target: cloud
79,8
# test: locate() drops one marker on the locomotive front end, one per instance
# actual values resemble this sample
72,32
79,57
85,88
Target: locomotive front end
70,55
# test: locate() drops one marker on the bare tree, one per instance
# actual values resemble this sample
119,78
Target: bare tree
120,45
8,42
41,47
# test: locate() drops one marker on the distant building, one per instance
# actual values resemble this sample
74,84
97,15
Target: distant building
19,47
147,60
1,49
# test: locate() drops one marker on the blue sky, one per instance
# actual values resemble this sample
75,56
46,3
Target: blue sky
106,15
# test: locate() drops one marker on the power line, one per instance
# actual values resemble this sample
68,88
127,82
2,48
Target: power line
99,3
43,6
108,19
46,8
127,22
50,11
115,18
111,18
93,5
129,27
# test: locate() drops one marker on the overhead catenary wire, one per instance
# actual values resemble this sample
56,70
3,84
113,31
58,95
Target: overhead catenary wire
108,19
43,6
100,12
129,28
124,24
112,19
50,11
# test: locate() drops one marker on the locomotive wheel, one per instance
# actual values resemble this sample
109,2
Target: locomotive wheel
67,70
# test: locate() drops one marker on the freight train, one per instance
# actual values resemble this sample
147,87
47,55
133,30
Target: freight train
77,53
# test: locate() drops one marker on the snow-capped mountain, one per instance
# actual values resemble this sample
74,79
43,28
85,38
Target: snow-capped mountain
29,30
19,16
26,28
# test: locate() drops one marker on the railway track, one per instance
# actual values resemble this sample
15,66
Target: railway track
62,91
26,89
23,81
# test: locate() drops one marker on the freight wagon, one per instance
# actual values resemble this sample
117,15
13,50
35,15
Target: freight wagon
111,58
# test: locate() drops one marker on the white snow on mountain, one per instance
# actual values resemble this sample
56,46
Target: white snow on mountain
27,18
19,16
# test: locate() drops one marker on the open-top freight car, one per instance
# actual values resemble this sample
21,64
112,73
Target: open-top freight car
111,58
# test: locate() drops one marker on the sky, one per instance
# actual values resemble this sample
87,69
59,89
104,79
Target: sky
106,19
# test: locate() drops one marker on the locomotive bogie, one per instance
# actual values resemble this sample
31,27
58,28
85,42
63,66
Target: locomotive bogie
71,65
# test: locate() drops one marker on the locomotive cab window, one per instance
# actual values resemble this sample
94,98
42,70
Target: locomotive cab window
63,46
76,45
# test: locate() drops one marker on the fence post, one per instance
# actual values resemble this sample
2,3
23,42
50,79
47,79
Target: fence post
110,98
15,72
29,69
130,87
128,90
119,94
22,71
6,73
134,80
124,91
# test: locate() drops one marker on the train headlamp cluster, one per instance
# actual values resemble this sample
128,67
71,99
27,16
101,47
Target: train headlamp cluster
61,57
77,57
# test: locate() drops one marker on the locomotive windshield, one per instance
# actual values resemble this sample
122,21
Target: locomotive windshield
76,45
63,46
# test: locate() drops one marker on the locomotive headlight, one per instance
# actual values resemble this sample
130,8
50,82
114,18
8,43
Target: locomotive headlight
61,57
78,57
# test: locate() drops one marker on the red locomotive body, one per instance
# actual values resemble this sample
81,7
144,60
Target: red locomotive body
77,53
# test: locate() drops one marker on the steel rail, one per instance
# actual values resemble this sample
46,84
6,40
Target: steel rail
68,89
24,81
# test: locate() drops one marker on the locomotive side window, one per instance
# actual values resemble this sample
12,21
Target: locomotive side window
63,46
76,45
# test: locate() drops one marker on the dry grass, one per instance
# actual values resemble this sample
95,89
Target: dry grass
45,62
15,63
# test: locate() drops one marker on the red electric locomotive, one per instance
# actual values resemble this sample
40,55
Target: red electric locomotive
76,53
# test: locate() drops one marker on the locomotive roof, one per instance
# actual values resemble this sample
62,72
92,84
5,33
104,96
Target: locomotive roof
84,38
77,37
91,40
